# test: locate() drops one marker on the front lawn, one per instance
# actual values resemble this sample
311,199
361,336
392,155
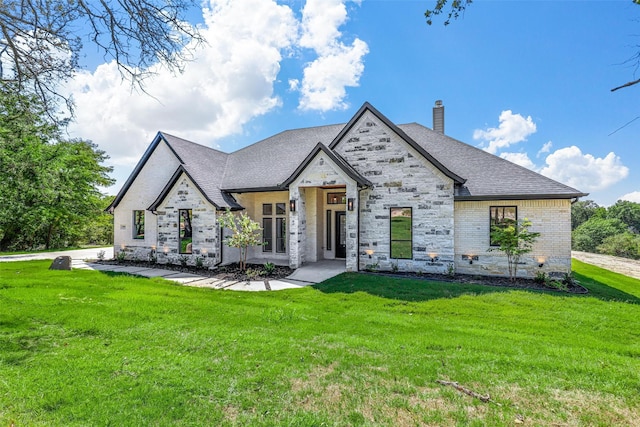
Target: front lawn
89,348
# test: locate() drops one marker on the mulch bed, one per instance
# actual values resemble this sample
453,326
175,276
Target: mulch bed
256,272
225,272
519,283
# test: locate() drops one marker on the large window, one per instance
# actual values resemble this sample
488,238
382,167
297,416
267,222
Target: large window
401,236
138,224
185,230
267,234
280,225
501,216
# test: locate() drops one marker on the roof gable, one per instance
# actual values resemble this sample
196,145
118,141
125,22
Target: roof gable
339,161
136,171
394,128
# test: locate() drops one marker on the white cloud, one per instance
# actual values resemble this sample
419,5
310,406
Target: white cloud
337,66
229,82
584,171
521,159
634,196
513,128
546,148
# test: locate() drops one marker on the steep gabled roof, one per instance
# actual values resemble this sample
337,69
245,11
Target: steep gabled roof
368,107
205,167
273,163
339,161
488,177
267,163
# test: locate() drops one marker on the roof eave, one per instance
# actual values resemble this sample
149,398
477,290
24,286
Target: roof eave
519,197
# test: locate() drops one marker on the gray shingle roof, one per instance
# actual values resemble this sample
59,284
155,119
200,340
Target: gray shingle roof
269,163
487,176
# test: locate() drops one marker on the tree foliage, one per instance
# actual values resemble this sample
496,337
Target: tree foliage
583,210
626,245
514,240
627,212
41,40
589,235
49,184
455,8
245,233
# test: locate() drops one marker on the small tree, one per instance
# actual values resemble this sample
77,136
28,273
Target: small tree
514,240
245,233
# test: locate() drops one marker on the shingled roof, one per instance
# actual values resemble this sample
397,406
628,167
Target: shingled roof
269,164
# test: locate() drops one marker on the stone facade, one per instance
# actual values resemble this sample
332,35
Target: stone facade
305,224
551,218
142,193
205,233
445,234
401,178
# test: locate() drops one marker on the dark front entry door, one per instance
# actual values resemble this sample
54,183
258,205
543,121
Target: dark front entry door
341,234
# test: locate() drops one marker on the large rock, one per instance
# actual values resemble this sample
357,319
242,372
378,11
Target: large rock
61,263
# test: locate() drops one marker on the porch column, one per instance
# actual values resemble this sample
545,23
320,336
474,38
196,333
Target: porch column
352,228
297,227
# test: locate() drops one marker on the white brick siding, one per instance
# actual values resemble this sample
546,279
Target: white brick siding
551,218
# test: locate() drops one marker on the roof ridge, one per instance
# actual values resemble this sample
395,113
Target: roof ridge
165,134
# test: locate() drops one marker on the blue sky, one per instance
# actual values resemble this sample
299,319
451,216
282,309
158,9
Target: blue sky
527,80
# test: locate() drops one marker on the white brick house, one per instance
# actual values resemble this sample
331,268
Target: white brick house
369,192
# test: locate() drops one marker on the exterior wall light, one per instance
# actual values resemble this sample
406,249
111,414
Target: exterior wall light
350,202
369,252
433,257
470,258
541,261
292,205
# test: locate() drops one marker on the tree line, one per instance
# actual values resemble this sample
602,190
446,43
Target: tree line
612,231
49,191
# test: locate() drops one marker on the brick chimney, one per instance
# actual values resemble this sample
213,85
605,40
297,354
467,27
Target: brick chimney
438,117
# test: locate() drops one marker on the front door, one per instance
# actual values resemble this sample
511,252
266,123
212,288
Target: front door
341,234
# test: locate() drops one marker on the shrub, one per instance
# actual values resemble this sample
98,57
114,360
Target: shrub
269,268
588,236
514,240
625,245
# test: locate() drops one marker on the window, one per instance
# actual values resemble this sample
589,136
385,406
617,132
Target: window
401,235
336,198
186,231
268,227
501,216
329,230
138,224
281,235
267,234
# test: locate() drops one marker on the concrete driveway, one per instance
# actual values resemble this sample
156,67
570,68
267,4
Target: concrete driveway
626,266
80,254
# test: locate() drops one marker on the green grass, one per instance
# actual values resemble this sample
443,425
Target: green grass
87,348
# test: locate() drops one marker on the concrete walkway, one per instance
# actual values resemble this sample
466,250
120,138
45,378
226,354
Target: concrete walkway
628,267
306,275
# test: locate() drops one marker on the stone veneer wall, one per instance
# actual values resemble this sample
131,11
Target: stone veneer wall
401,177
143,191
321,172
552,218
205,243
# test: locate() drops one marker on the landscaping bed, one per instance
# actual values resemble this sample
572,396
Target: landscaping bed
267,271
545,283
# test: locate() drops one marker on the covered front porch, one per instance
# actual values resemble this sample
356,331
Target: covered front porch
323,210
